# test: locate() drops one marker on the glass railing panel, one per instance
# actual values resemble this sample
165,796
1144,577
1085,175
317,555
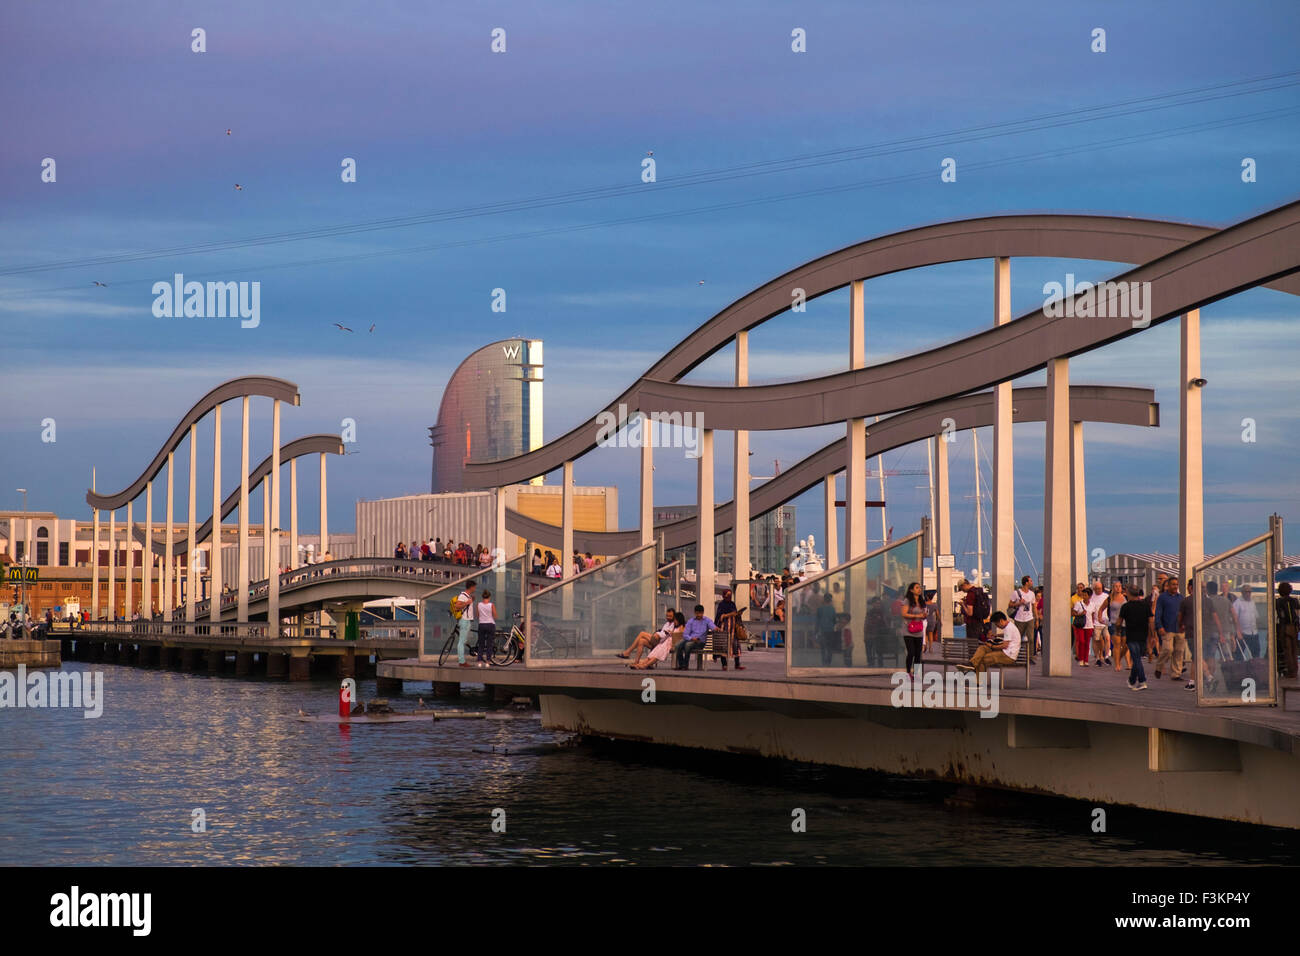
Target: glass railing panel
849,619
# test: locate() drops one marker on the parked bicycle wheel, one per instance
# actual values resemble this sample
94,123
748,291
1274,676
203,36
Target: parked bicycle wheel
446,647
503,654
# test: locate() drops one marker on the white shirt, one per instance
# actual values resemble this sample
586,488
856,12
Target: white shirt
1096,616
1011,639
1025,609
553,571
467,605
1247,616
486,613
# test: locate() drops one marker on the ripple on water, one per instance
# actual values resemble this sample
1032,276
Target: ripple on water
122,789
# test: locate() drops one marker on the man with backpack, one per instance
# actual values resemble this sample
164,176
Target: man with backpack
976,609
462,610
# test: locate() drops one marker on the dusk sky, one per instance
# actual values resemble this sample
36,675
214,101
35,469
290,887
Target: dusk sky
438,123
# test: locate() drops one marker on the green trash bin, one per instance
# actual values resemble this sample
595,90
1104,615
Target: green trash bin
352,626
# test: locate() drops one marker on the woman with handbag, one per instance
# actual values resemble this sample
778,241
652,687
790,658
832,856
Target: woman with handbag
914,613
1080,624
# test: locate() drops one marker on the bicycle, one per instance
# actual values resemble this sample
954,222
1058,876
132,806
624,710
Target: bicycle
512,647
450,643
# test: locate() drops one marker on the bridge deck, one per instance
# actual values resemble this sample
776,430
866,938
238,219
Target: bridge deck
1092,693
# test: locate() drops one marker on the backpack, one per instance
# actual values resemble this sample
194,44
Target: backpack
455,608
981,610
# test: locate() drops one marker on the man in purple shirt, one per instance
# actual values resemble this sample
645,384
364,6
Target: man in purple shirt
697,630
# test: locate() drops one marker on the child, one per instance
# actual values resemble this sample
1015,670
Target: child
487,629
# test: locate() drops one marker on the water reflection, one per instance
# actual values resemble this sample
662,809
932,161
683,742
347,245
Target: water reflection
120,790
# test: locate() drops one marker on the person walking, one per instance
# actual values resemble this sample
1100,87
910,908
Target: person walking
486,615
1169,634
1098,614
1288,625
1243,609
1079,624
975,610
1153,641
1187,626
1024,609
1136,616
1118,642
914,614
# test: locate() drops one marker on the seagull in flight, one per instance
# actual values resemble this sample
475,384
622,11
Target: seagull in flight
227,132
372,327
239,187
102,285
701,282
649,152
343,327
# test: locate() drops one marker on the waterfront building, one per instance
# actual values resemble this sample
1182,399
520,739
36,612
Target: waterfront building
491,409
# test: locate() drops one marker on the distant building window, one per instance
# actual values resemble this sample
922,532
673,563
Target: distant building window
63,553
20,549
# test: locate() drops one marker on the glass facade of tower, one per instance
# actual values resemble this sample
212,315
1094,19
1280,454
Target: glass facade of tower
490,410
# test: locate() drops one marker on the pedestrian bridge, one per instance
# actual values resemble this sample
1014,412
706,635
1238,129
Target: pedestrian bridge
347,581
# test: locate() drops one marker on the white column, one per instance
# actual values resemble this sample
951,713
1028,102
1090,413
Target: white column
1078,506
214,551
566,538
266,529
146,556
943,577
1057,583
1004,495
241,609
504,553
94,565
324,545
112,565
169,577
566,521
293,513
855,470
704,524
832,525
275,476
192,545
740,527
647,481
130,562
1191,514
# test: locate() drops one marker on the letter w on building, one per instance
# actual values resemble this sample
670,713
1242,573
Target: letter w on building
512,351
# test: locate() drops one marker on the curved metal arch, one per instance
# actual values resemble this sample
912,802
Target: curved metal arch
1106,238
1251,253
252,386
307,445
1093,403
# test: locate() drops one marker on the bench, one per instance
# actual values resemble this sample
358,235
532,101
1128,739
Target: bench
960,651
715,642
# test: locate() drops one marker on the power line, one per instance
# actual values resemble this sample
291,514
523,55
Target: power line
722,174
724,206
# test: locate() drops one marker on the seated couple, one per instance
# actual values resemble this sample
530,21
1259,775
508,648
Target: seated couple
658,645
1001,649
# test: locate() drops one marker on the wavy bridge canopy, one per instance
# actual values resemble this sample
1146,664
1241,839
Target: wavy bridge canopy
1188,266
252,386
307,445
1088,403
